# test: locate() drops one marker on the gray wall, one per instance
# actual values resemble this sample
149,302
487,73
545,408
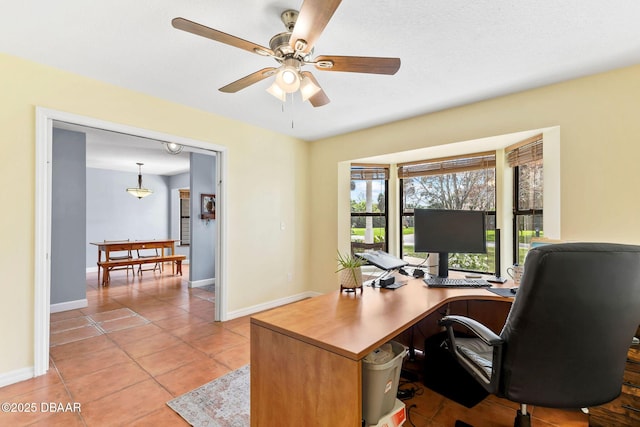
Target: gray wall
114,214
203,232
177,182
68,198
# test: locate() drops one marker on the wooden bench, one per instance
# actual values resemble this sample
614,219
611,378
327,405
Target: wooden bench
107,265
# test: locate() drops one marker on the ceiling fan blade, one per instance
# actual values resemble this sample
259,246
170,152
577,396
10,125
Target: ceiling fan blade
219,36
358,64
320,98
314,16
248,80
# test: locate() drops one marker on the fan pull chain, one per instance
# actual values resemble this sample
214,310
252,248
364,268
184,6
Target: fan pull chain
292,110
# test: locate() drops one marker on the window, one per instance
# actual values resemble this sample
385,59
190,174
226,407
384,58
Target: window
525,158
369,187
461,182
185,218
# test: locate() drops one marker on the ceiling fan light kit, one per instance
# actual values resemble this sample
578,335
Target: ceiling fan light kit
293,50
288,78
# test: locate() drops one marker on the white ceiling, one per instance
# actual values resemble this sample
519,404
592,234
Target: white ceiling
117,151
453,52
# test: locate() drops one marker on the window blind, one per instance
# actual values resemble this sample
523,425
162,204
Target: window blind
527,151
445,165
369,172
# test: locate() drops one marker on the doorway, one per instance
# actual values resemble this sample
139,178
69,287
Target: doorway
45,119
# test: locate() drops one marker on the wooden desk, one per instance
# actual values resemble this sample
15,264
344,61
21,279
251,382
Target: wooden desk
306,358
108,247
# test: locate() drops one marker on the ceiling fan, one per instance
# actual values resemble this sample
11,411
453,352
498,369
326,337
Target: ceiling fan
293,50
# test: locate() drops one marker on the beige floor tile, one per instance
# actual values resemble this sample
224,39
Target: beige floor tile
170,358
119,313
150,345
126,405
137,333
162,417
72,335
71,323
106,381
84,348
84,364
191,376
123,323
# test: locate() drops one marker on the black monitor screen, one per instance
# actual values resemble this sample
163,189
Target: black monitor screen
447,231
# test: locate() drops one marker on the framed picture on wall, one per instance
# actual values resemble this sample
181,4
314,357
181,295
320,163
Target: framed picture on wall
208,206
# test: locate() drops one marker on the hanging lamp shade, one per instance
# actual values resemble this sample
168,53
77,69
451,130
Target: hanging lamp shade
138,191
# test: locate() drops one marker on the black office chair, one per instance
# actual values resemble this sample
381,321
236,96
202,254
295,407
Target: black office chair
565,341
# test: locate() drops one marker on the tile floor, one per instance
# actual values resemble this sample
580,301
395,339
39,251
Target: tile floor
139,343
144,340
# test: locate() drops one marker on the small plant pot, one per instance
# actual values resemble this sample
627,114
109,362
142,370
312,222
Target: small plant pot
351,279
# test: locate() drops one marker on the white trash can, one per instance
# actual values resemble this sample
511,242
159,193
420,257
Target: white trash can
380,382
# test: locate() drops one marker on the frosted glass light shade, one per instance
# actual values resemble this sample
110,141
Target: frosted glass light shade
288,79
139,192
276,91
308,88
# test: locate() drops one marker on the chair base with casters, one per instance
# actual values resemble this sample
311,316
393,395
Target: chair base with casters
565,341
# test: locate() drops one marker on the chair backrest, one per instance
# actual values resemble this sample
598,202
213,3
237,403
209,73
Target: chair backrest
147,252
113,254
570,327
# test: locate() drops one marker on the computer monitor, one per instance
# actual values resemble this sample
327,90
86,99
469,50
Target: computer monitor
449,231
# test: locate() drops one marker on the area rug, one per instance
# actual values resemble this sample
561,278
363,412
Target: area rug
224,402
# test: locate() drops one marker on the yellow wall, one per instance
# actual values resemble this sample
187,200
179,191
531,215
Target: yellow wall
260,197
597,117
599,152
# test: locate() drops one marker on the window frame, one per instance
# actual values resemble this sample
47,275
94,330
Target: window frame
187,201
522,153
430,172
385,214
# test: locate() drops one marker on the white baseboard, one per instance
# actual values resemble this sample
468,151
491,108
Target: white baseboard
16,376
201,283
270,304
69,305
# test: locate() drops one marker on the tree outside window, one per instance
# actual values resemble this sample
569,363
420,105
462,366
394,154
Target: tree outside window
457,183
369,186
526,159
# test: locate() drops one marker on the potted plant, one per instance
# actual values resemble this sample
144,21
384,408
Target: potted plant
350,272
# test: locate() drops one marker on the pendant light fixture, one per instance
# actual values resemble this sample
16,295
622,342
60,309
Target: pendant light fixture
138,191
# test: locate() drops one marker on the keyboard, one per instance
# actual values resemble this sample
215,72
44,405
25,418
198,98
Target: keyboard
439,282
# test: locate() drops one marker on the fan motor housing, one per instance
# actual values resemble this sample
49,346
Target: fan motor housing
279,44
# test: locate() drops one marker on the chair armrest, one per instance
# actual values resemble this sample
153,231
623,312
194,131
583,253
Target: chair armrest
478,329
488,375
